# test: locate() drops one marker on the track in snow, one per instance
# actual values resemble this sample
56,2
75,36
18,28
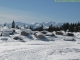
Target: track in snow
41,52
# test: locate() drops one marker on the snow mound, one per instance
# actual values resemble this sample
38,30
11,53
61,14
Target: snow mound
4,38
69,39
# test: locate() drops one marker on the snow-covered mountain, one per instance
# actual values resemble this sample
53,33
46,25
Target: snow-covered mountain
37,24
45,24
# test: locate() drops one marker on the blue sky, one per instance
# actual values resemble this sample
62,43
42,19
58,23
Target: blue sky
30,11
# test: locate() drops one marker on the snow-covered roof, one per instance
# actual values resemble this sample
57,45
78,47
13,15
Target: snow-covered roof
5,28
69,39
39,33
6,31
27,30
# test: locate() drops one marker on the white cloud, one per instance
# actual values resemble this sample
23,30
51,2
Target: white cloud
8,15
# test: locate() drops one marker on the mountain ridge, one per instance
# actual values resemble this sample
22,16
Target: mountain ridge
36,24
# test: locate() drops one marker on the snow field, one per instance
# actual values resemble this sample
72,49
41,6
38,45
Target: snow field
54,48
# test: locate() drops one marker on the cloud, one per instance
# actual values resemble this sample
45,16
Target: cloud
8,15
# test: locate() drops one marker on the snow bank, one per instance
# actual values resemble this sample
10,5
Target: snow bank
69,39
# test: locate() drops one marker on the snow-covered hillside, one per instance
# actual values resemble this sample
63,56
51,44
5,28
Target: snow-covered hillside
38,46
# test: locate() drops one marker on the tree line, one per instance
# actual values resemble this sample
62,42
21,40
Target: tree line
70,27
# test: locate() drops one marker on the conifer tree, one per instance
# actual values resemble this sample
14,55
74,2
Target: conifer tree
50,28
17,26
4,24
13,24
31,27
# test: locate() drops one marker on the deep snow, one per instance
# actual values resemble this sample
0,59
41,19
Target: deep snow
40,50
55,48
